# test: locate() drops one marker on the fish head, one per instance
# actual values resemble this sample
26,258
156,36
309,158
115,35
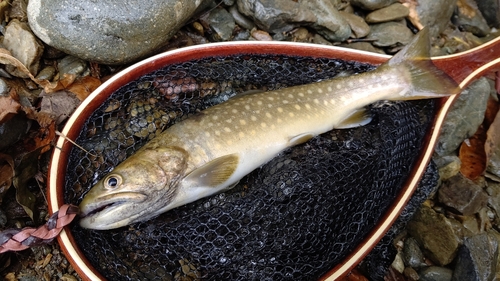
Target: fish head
136,190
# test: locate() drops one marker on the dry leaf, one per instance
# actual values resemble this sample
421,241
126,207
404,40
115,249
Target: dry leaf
7,58
9,106
82,87
472,155
413,16
6,173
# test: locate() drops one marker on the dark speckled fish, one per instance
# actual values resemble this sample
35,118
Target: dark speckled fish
214,149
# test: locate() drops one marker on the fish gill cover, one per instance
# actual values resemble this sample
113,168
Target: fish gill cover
294,218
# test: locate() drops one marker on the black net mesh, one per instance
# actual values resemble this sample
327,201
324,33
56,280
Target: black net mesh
294,218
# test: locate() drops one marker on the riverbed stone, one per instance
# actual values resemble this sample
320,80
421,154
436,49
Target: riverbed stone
435,14
24,46
389,34
463,195
476,259
490,9
222,24
412,254
358,25
372,4
276,16
109,32
435,233
330,23
493,190
465,116
395,11
468,18
435,273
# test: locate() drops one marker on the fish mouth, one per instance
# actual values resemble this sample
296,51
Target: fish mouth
106,204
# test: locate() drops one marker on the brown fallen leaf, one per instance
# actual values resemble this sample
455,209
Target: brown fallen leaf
6,174
9,106
354,275
472,155
83,86
413,16
7,58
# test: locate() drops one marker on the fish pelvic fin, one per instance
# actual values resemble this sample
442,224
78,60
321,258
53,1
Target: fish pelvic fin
213,173
425,79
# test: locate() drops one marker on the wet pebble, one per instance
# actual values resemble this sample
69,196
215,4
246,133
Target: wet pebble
47,73
124,32
23,45
435,273
435,14
389,34
470,103
240,19
330,23
493,190
372,4
468,18
357,24
476,259
4,87
490,9
222,24
276,16
260,35
13,130
72,65
412,255
436,235
395,11
463,195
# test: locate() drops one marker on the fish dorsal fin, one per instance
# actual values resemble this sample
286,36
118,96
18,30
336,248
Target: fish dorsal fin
302,138
213,173
358,118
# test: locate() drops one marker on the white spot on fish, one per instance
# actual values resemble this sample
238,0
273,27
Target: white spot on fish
280,110
361,80
243,122
259,103
291,114
332,101
301,94
297,107
279,120
217,133
227,129
329,89
253,118
320,91
252,132
210,124
272,126
263,125
338,86
268,115
241,134
270,98
234,110
309,92
229,142
284,101
290,96
316,101
207,134
247,107
351,84
308,106
215,117
229,120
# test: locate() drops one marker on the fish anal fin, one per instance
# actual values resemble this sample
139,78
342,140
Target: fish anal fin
213,173
358,118
302,138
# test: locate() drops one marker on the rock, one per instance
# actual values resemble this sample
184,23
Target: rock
240,19
59,105
468,18
490,9
493,190
371,4
4,87
492,147
222,24
363,46
448,166
463,195
410,273
395,11
465,116
260,35
108,32
24,46
435,273
476,259
435,233
390,34
412,255
276,16
358,25
318,39
435,14
330,23
47,73
72,65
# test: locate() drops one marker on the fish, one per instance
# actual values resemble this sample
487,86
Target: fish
211,151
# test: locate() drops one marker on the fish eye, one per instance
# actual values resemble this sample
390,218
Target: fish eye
112,182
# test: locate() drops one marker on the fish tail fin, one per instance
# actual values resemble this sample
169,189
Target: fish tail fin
426,80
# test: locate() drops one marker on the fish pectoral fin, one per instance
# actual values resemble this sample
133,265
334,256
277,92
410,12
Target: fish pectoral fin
302,138
358,118
213,173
